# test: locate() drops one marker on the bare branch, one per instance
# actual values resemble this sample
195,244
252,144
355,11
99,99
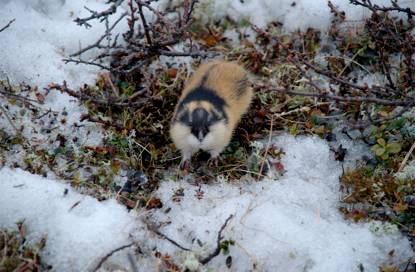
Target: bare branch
8,24
375,7
142,45
98,15
145,25
79,61
98,42
85,98
343,98
187,54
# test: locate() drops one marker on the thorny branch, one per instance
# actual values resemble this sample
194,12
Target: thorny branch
365,89
326,95
389,36
374,7
145,24
97,44
142,44
7,92
98,15
86,98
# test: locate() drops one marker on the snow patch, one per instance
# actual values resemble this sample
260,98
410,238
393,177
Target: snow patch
77,235
293,14
44,33
290,224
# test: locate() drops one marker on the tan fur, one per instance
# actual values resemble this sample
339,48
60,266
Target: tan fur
229,81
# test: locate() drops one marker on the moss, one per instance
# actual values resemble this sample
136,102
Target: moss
379,195
16,254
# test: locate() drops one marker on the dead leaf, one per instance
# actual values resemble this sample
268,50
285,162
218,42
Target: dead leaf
40,97
172,72
153,203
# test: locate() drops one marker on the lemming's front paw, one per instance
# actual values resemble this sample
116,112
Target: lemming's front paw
185,165
213,162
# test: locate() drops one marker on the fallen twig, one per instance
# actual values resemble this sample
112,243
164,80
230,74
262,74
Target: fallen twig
155,230
108,255
2,109
407,156
219,240
264,158
8,24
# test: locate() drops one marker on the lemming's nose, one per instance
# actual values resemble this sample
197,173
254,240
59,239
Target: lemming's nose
200,136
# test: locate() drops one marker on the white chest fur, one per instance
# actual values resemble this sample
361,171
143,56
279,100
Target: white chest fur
214,142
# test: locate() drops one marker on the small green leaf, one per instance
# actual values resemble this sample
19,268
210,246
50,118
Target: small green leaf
378,150
123,85
293,130
393,148
375,147
396,123
244,22
381,142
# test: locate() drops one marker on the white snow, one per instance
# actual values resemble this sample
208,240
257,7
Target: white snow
286,224
293,14
76,238
289,224
31,51
44,33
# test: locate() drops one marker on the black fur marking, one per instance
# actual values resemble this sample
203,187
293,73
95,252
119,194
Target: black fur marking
206,75
184,117
204,94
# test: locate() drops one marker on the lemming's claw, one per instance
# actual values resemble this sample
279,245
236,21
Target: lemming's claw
185,165
213,162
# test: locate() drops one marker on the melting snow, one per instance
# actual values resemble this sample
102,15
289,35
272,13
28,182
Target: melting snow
77,235
289,224
293,14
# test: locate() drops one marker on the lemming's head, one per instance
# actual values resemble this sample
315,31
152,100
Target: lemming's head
200,116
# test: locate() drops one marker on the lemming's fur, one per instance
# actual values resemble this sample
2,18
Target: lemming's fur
210,107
